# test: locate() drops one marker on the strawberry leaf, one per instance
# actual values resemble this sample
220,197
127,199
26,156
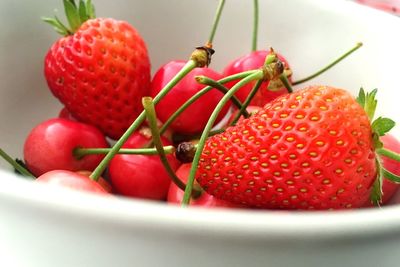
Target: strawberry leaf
57,25
82,11
376,192
376,141
72,14
368,102
371,103
76,15
90,11
361,97
382,125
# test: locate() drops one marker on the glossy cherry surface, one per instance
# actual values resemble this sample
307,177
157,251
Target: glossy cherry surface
253,61
50,145
72,180
195,117
141,176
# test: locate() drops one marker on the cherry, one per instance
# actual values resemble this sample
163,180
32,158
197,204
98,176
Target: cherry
389,188
72,180
50,145
101,181
253,61
141,176
195,117
175,194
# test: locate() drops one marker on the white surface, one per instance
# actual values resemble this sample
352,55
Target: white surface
46,228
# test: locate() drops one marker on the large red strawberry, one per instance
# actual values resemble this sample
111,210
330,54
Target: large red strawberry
99,70
313,149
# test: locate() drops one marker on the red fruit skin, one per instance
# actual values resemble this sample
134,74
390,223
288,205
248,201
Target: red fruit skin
195,117
141,176
49,146
175,194
100,74
253,61
311,149
101,181
72,180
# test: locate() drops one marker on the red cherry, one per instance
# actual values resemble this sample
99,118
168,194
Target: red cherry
254,61
388,187
101,181
175,194
141,176
71,180
195,117
49,146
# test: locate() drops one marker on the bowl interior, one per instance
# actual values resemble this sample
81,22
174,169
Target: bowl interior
109,232
309,40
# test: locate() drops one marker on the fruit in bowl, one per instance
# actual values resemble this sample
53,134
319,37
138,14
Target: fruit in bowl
132,224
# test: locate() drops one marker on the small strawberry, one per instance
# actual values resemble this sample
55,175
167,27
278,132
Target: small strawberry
312,149
99,70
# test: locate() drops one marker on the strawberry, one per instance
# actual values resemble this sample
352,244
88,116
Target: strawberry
312,149
99,70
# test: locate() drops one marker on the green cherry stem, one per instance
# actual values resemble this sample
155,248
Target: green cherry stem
189,66
358,45
81,152
257,75
199,94
255,26
152,121
217,85
388,153
246,103
268,60
390,176
284,79
15,164
215,23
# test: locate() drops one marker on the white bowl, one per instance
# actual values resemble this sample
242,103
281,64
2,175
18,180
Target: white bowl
45,228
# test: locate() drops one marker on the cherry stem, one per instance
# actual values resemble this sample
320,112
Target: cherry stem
80,152
284,79
268,60
246,103
217,85
215,23
15,164
200,146
358,45
200,93
189,66
255,26
152,122
151,116
390,176
388,153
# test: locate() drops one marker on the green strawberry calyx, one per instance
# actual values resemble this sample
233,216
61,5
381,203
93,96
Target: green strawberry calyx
380,126
76,15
